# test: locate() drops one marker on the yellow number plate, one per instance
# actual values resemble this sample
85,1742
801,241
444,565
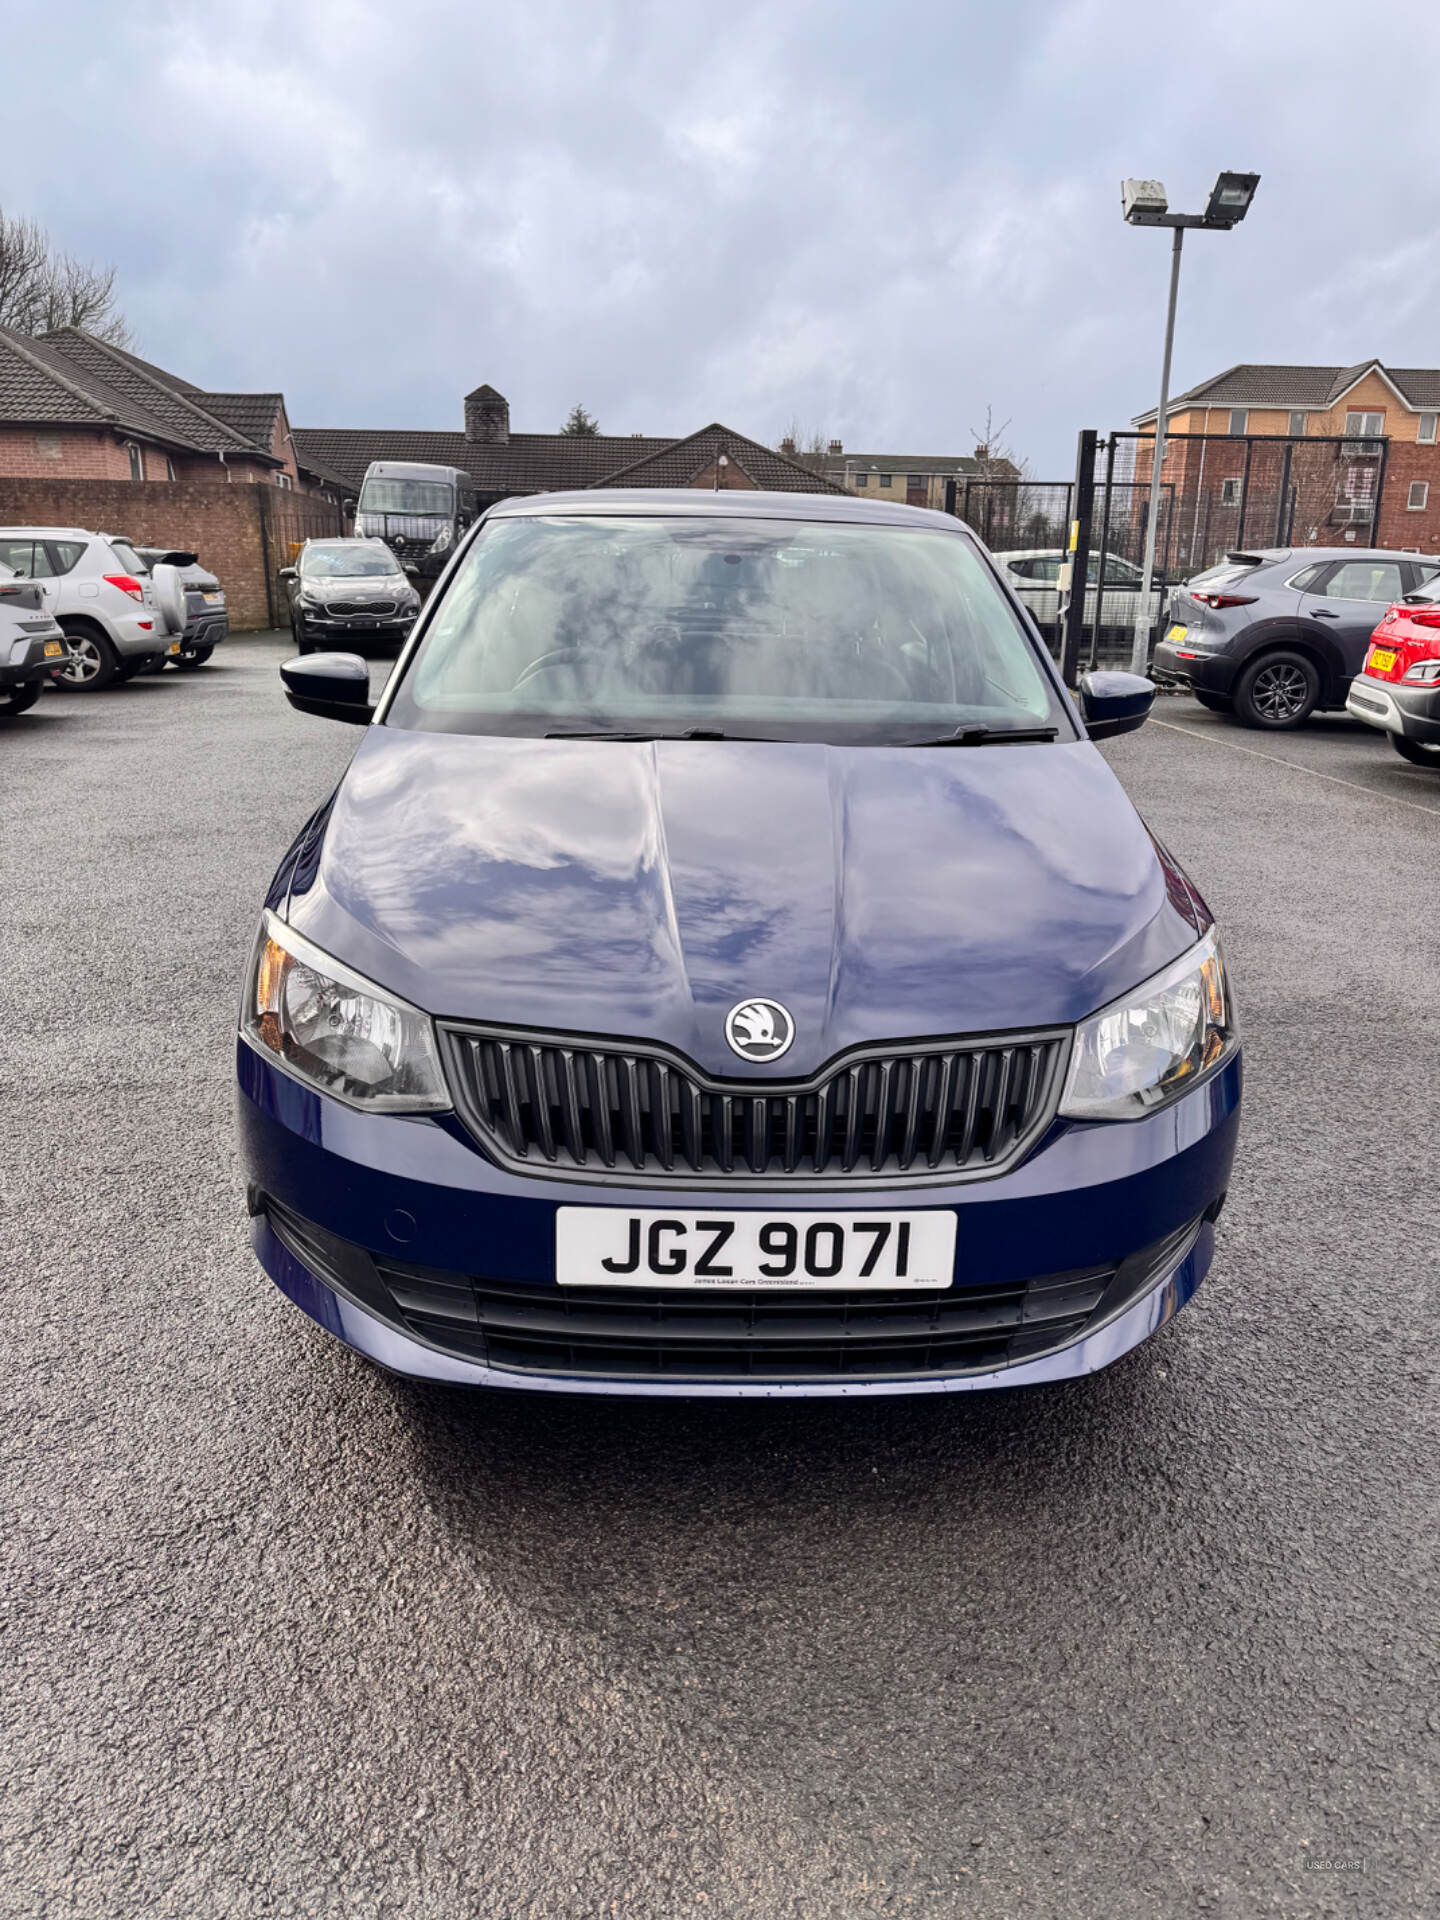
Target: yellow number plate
174,646
1177,633
1382,659
54,649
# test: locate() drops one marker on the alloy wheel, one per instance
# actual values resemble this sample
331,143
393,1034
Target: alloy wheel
1280,692
85,661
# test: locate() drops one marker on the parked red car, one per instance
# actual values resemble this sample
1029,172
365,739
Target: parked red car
1398,689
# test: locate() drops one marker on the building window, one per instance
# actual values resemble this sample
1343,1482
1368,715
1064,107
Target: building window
1230,492
1364,426
1297,423
1426,433
1419,495
282,480
887,479
1239,420
169,468
914,479
862,479
137,461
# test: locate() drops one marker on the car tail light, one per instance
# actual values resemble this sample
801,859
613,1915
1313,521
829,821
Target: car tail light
1219,600
1425,619
126,584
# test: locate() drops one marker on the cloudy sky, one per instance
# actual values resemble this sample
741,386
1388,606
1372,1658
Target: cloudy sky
876,217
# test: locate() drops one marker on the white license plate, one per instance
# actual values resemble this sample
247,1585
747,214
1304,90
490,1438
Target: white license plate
853,1252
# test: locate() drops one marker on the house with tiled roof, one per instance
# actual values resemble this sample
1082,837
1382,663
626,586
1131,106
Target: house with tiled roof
917,479
503,463
75,407
1302,455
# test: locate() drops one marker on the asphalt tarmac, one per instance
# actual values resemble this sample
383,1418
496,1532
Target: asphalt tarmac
283,1637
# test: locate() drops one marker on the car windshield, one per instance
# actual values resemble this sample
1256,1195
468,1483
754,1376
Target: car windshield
763,628
407,496
346,563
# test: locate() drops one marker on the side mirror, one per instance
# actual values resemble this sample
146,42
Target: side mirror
336,686
1112,703
287,573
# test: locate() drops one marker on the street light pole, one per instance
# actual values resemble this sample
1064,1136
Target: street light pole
1144,204
1140,646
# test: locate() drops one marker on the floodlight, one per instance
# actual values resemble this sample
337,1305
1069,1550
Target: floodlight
1230,199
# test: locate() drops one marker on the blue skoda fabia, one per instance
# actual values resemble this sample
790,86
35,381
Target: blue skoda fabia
728,967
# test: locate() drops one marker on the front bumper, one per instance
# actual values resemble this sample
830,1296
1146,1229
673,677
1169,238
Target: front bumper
1413,712
425,1213
363,627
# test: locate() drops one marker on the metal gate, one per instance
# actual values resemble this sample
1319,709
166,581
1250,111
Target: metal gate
287,520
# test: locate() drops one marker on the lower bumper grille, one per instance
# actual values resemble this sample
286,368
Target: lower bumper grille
625,1334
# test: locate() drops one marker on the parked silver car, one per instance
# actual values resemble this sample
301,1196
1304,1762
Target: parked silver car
117,616
1035,576
31,644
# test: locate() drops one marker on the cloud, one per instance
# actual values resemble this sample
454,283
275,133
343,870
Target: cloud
877,218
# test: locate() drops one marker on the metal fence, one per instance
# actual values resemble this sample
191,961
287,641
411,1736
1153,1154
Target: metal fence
1219,493
1226,491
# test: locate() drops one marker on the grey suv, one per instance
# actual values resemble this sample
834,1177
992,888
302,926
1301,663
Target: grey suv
1271,635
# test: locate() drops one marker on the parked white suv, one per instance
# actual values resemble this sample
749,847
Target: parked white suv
116,613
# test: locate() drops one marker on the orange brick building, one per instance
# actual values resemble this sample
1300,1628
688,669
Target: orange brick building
1301,456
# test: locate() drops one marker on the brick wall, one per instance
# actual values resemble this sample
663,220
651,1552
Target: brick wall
87,453
221,523
1401,525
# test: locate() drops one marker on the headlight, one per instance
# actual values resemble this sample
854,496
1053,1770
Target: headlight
1150,1046
442,540
337,1030
310,598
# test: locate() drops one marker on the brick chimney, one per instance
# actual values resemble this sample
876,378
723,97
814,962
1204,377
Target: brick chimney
787,445
487,418
835,447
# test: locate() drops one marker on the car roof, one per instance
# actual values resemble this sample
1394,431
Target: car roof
55,533
731,504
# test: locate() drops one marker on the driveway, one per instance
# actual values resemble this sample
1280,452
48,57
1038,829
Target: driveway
283,1636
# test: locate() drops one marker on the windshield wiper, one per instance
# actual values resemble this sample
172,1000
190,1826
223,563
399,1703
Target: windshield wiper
987,736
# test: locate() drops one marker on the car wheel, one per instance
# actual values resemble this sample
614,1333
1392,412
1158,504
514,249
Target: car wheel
132,666
188,662
1278,691
1417,754
92,663
19,699
155,664
1214,702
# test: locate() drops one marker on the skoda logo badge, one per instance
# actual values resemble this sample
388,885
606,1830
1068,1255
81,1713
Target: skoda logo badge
759,1030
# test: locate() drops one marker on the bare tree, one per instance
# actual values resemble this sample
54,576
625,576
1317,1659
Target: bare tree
995,458
42,288
807,449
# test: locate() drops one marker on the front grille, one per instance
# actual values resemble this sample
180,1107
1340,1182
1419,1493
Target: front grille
339,608
628,1334
624,1333
566,1108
